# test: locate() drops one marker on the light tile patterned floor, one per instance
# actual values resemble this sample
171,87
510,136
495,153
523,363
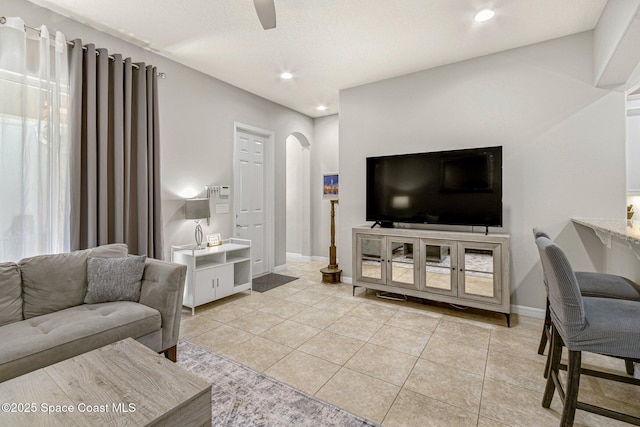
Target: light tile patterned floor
396,363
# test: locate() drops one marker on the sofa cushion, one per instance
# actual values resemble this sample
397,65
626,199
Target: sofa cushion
54,282
114,279
10,293
41,341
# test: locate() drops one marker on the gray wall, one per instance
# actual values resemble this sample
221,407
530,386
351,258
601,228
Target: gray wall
197,115
324,160
296,192
614,46
633,145
563,139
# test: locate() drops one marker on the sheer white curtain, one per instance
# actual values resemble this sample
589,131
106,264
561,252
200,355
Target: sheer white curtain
34,142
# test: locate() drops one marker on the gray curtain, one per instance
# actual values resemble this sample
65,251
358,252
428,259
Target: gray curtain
116,153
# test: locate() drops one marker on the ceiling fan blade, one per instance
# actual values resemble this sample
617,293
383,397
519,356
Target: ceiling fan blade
266,11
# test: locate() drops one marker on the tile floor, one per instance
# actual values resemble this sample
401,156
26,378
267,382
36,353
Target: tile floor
396,363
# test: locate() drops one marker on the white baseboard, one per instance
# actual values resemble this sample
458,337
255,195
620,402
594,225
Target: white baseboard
346,279
279,268
528,311
298,257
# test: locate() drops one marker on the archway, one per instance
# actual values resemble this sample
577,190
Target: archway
298,196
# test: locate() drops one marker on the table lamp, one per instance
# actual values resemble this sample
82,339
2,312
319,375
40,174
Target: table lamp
197,209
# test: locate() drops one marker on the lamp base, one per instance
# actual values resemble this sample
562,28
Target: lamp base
199,235
331,274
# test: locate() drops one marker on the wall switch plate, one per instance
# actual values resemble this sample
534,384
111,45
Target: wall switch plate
222,208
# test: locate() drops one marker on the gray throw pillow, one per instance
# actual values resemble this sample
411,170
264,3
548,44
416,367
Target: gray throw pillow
54,282
114,279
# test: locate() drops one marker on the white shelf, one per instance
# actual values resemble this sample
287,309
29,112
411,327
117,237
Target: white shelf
214,272
209,265
243,285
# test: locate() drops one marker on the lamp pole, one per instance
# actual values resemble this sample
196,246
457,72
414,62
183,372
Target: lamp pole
331,273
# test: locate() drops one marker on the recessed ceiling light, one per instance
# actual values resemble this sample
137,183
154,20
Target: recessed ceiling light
286,76
321,108
484,15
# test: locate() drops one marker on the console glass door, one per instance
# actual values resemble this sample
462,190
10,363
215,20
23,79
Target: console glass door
478,278
402,256
439,261
370,261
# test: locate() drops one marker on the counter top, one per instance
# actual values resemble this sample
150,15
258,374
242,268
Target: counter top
621,228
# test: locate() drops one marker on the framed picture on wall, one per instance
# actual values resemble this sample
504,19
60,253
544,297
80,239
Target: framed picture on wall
330,185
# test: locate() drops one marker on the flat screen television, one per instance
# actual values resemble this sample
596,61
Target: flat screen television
458,187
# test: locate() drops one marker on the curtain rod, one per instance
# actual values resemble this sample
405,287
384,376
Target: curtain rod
70,43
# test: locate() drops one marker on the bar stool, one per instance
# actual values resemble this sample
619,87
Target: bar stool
591,285
606,326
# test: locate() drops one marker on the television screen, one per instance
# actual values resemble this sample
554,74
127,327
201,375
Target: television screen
460,187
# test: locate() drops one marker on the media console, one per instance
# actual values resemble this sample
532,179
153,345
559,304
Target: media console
468,269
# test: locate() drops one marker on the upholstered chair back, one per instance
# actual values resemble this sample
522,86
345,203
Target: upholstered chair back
537,232
565,299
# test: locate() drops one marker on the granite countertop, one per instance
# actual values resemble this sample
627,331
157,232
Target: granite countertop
626,230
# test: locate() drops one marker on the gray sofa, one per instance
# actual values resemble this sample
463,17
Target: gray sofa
43,318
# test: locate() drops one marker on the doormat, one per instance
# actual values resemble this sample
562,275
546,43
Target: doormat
270,281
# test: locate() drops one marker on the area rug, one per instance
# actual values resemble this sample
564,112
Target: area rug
270,281
244,397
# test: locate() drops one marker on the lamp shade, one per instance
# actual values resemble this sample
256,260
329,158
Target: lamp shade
197,208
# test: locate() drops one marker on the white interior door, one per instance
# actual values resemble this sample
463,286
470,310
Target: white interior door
249,196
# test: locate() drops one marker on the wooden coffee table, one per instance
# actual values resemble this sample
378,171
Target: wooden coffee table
124,383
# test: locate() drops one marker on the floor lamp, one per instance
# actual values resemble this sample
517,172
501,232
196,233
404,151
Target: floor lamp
331,273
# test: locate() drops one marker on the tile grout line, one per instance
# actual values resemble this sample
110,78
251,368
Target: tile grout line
258,335
484,376
410,372
321,330
361,373
341,366
442,401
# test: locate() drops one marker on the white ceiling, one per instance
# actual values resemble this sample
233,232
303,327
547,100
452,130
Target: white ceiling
328,45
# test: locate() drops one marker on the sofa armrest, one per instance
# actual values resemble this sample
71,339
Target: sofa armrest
162,289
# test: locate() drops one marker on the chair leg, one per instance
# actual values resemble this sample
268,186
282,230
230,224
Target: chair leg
545,330
546,336
573,384
628,364
546,366
555,354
